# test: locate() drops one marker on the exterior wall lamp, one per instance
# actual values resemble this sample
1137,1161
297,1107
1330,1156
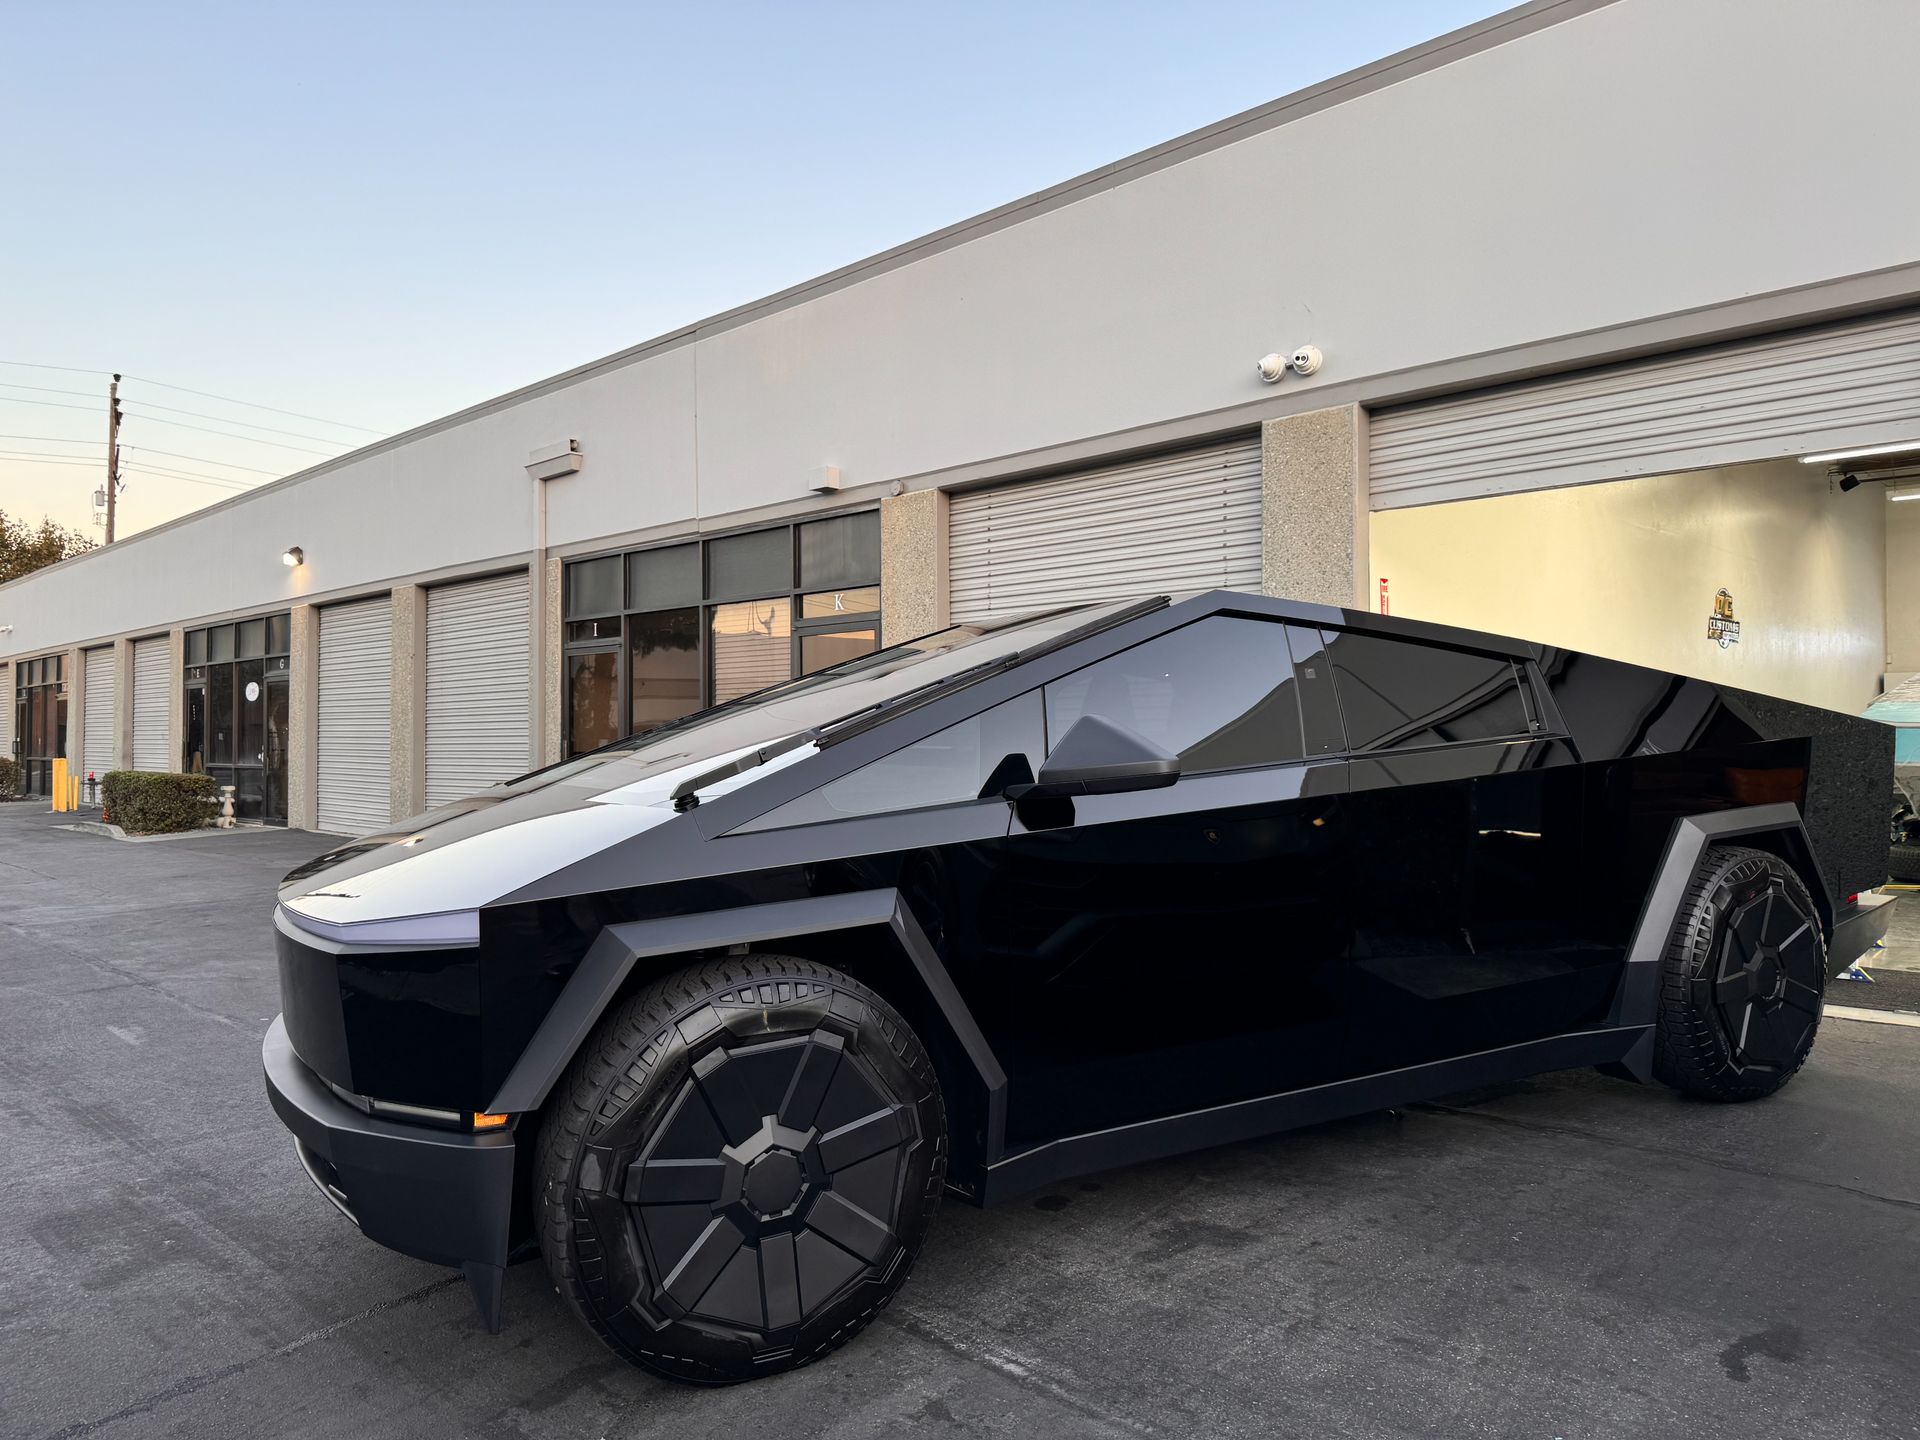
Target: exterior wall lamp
293,556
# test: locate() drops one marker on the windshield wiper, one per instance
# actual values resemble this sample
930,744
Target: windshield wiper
686,794
863,720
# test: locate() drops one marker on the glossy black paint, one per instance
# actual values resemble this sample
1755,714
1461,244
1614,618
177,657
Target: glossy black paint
1409,851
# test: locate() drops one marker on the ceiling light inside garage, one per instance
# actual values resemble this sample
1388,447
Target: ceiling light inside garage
1860,454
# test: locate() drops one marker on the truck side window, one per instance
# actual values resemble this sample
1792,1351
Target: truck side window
946,768
1219,693
1400,694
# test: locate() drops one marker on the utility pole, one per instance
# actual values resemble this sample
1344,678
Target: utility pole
113,451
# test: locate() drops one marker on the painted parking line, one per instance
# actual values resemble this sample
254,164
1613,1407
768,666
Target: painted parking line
1875,1017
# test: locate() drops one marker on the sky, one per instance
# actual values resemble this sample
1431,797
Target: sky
372,215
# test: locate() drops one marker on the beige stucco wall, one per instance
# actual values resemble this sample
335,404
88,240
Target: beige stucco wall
913,565
1903,584
1629,570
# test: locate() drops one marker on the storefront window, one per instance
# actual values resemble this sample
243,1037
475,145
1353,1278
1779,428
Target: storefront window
655,635
752,645
663,667
236,705
593,700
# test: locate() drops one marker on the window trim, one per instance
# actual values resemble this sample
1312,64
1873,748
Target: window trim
1522,671
704,605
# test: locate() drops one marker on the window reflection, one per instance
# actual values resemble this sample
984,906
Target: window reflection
593,700
752,643
663,667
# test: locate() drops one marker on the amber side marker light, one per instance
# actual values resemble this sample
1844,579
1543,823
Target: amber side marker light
488,1122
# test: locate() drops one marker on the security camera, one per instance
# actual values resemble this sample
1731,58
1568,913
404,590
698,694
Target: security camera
1303,361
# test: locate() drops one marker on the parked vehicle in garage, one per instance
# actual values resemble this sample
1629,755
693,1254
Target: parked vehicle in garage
714,1016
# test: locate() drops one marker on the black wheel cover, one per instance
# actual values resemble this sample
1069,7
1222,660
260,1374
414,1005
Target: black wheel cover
1767,981
765,1151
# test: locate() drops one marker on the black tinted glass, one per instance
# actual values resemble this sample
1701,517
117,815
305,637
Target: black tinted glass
253,639
1397,694
220,643
196,647
1319,706
279,634
842,552
593,586
659,579
758,563
1219,693
663,667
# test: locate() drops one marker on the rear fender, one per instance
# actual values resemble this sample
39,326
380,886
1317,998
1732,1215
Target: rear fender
1777,829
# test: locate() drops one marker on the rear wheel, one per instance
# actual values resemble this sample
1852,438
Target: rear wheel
1742,980
739,1168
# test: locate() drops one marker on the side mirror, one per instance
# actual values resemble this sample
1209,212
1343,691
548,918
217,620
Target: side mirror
1098,757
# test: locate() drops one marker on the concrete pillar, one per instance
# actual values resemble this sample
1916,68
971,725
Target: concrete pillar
123,704
76,710
553,663
176,697
913,565
303,717
409,716
1313,508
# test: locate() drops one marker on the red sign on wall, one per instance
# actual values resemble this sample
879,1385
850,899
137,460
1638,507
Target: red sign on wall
1383,594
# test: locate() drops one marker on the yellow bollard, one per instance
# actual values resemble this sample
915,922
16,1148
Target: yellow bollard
59,786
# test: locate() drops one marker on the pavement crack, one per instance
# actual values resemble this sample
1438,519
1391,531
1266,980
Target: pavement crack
189,1384
1669,1151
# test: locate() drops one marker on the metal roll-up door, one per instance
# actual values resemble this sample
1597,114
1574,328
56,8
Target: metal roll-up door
477,676
1835,387
152,666
96,700
355,713
1189,521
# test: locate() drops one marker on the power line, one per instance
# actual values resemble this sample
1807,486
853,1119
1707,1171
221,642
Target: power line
60,405
70,369
204,394
203,460
55,439
255,405
44,389
44,455
223,419
181,424
237,487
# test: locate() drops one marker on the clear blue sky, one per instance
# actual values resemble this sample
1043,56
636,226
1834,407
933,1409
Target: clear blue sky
380,213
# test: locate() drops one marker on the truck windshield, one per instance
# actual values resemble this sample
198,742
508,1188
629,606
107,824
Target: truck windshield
870,684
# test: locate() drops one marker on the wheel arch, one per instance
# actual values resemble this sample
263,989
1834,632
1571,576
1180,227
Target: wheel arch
871,935
1778,829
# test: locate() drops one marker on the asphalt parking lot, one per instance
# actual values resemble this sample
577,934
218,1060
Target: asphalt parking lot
1570,1257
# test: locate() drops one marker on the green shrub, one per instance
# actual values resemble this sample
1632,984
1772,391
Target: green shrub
143,803
9,777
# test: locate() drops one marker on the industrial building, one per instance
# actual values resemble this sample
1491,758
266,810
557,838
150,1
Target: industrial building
1616,308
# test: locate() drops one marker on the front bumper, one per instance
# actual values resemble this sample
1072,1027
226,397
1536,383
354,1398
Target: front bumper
437,1195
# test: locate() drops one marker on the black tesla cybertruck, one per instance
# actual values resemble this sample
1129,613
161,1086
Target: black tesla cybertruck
715,1015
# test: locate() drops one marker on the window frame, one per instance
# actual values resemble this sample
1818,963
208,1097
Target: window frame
1537,726
705,603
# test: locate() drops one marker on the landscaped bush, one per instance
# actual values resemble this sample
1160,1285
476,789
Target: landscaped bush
9,777
142,803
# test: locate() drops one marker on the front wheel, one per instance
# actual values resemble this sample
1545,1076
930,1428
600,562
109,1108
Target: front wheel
1742,979
739,1168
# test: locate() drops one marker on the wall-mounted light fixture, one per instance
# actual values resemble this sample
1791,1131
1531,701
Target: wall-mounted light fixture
293,556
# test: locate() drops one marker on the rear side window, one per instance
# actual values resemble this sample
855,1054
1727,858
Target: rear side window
1219,693
1400,694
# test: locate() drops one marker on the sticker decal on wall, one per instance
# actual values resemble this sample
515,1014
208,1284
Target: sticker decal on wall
1722,628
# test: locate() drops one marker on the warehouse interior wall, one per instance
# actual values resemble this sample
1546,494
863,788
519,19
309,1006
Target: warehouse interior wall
1630,569
1903,590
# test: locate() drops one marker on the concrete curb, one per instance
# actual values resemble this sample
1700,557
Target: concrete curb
114,832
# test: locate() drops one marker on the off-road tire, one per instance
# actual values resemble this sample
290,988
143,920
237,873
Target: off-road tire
1742,979
738,1169
1903,863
